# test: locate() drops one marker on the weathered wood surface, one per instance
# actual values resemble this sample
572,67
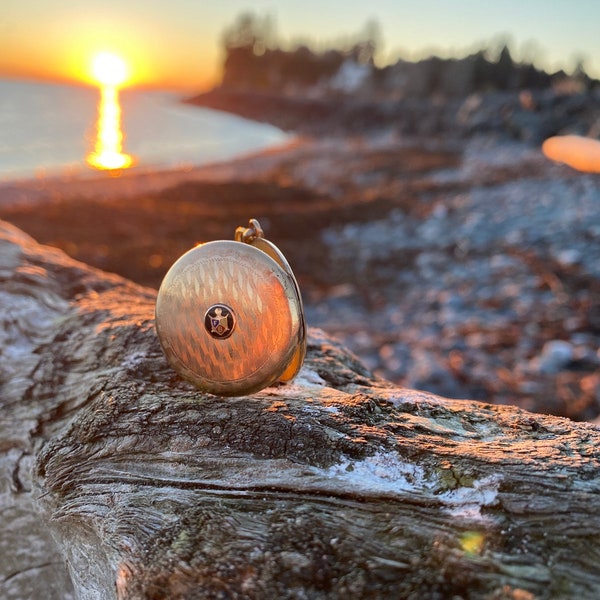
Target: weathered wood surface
337,486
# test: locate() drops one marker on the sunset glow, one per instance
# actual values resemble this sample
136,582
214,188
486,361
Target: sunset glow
178,45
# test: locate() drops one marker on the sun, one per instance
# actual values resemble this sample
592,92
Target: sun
109,69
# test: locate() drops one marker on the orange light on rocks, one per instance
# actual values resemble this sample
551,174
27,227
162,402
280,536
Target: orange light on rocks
578,152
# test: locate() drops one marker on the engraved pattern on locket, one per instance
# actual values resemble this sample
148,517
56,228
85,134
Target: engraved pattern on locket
229,318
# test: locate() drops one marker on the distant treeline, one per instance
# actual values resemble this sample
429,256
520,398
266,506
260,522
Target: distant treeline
255,61
253,58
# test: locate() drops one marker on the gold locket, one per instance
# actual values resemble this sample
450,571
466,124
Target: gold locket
229,315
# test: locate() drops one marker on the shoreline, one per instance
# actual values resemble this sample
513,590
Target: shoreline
92,184
529,116
159,130
312,122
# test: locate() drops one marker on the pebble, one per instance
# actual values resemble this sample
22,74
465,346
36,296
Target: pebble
555,356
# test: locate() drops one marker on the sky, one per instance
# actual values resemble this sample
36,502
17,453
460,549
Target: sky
176,44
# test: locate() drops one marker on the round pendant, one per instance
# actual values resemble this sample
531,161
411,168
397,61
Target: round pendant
229,318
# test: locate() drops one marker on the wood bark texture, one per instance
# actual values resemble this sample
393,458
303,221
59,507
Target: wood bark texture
120,480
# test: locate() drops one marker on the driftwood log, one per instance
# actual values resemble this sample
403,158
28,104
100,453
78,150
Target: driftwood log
122,481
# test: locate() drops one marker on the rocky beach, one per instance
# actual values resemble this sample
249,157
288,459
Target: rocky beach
461,262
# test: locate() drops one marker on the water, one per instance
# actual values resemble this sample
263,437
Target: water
48,129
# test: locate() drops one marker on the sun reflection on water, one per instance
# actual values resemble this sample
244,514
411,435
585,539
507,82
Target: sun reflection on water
110,72
108,149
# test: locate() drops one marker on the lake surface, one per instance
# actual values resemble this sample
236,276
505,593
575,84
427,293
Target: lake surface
49,129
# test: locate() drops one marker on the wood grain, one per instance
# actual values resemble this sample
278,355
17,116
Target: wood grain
338,485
